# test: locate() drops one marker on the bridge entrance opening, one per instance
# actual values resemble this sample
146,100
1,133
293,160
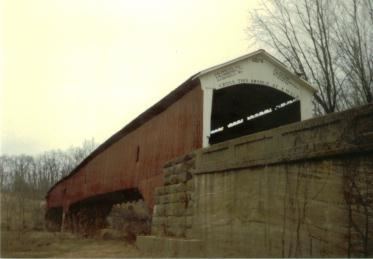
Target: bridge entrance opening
248,108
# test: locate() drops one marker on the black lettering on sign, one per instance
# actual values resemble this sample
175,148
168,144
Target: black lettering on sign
228,72
228,83
259,82
243,81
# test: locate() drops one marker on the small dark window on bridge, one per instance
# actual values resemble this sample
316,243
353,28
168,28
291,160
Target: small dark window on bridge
137,153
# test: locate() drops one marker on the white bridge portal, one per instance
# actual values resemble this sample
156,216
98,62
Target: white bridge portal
249,87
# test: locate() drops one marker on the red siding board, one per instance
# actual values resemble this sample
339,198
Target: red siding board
175,131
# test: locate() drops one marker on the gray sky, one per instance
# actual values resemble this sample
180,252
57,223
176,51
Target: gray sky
82,69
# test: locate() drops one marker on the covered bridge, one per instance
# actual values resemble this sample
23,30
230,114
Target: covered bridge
252,93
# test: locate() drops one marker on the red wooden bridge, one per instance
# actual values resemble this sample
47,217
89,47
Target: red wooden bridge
134,156
128,166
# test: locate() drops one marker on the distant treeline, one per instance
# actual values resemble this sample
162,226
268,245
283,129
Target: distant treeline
34,175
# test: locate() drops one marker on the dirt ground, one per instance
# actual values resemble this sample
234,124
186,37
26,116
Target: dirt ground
36,244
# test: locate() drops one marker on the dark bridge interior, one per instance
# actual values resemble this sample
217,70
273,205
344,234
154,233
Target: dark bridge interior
245,109
89,215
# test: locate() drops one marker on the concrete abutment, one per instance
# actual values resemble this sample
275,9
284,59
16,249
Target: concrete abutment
301,190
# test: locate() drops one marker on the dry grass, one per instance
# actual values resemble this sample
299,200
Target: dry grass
21,213
46,244
22,235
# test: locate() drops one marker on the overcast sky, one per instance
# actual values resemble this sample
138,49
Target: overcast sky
75,70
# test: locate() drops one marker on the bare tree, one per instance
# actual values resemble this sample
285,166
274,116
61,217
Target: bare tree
354,43
3,172
26,178
306,35
48,166
6,203
33,176
21,166
78,154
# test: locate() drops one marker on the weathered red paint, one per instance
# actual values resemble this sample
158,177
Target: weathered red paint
162,136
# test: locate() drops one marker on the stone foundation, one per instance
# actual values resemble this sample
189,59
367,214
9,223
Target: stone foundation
173,212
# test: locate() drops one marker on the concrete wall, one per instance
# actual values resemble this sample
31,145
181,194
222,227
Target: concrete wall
292,210
303,189
300,190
